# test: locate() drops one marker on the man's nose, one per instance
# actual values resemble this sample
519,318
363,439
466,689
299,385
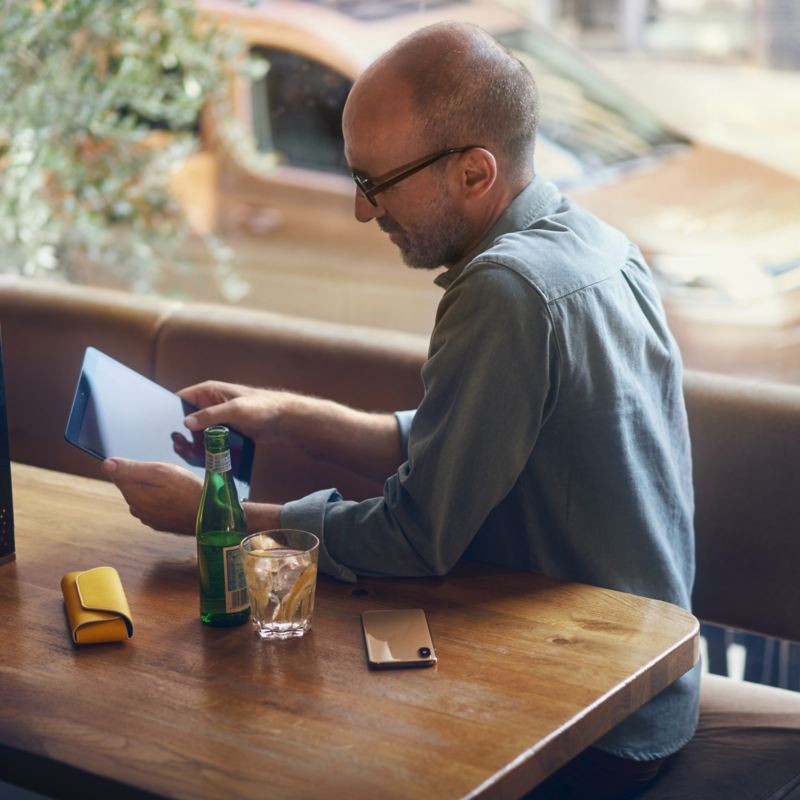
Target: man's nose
364,210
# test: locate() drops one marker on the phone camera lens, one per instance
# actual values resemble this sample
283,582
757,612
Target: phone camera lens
424,651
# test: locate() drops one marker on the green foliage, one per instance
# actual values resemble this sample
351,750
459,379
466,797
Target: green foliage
99,103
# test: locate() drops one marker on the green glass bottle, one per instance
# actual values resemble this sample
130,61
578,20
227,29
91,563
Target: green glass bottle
220,527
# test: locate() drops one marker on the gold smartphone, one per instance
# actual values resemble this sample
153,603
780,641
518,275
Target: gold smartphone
397,638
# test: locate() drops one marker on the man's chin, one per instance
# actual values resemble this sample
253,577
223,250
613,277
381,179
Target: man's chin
413,257
414,262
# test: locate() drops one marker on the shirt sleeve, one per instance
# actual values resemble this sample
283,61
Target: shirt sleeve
404,420
487,390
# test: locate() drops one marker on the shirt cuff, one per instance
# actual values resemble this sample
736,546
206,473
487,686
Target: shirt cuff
308,514
404,419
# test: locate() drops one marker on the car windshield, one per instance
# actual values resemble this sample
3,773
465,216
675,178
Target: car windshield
583,115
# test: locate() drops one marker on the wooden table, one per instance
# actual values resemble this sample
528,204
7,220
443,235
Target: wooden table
530,672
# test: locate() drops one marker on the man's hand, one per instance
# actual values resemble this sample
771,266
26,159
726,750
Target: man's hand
163,496
365,443
255,412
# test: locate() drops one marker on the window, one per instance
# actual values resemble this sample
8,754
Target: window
582,113
297,111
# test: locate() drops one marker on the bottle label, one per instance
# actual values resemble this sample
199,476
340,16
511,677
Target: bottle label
218,462
235,584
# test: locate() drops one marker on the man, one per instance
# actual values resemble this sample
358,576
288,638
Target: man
552,434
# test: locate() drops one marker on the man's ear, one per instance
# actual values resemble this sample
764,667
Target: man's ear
477,173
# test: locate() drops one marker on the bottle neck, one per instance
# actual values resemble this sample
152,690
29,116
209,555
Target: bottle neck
218,462
218,453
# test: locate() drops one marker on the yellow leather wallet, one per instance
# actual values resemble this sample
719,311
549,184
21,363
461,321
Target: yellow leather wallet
96,606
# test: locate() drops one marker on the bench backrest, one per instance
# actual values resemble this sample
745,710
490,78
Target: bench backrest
46,328
746,458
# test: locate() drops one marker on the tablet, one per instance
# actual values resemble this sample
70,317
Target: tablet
118,412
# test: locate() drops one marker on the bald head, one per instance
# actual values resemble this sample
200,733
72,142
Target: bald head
462,87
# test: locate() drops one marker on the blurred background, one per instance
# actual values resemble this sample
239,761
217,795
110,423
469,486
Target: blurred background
192,149
726,70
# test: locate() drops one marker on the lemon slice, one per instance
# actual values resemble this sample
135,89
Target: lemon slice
300,594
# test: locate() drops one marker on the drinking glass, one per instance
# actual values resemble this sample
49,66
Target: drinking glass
281,571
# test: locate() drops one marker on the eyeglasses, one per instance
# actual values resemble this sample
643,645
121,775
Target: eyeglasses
370,187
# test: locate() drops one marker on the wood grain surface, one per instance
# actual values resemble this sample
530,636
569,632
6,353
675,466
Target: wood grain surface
530,672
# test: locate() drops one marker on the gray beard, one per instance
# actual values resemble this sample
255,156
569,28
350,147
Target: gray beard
431,255
441,244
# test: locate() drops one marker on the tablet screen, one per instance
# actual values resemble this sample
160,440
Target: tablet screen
118,412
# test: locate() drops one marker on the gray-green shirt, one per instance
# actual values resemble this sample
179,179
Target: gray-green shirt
552,435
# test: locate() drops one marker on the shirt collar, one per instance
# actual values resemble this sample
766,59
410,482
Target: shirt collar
530,204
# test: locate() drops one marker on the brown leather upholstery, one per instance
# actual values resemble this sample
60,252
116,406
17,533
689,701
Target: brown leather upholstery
746,454
376,371
747,747
746,459
45,328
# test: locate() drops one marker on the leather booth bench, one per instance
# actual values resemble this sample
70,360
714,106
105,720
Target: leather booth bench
46,327
746,462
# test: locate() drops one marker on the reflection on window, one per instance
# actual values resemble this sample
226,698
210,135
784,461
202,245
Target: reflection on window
297,111
581,112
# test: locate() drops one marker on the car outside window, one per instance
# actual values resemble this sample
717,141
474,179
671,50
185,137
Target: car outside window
582,113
